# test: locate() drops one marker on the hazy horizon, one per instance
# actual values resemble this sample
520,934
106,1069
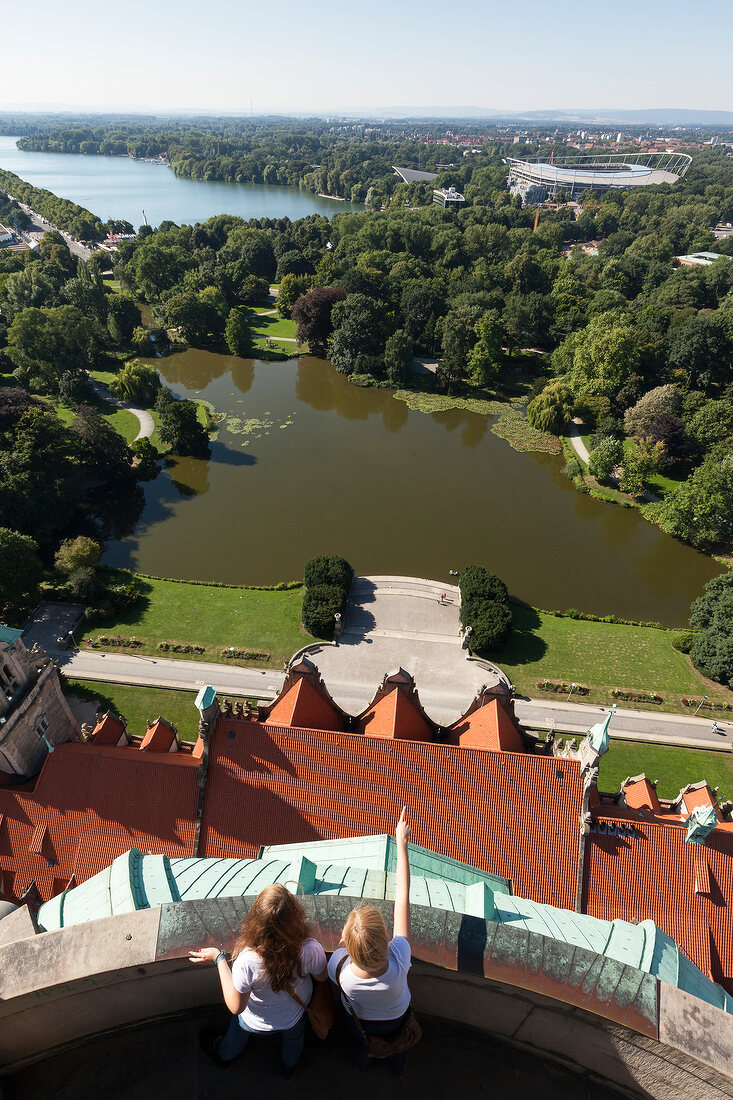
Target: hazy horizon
235,58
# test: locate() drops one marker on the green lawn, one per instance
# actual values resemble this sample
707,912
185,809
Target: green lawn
137,704
600,656
674,768
216,618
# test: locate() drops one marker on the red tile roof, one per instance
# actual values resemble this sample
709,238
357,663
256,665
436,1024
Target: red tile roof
395,716
685,888
90,804
510,813
489,727
302,705
160,737
698,796
640,793
108,731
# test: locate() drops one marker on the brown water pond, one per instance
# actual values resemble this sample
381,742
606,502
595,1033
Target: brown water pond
307,463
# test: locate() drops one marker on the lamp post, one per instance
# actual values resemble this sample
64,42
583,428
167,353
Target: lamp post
700,704
572,686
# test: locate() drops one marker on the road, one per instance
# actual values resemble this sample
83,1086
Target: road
575,718
40,226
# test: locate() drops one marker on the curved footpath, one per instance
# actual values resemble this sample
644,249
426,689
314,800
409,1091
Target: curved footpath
145,420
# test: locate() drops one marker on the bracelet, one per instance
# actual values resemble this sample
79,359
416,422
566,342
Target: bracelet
219,957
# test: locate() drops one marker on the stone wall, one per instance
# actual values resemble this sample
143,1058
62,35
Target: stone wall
592,1014
33,706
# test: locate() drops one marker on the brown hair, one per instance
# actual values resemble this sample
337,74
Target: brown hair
365,938
276,928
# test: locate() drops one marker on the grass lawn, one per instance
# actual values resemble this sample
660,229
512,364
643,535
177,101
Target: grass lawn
213,617
601,656
137,704
674,768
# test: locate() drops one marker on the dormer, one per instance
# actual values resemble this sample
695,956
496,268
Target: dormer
161,737
110,730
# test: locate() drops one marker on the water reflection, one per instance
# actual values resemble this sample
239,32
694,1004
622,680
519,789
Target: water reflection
314,464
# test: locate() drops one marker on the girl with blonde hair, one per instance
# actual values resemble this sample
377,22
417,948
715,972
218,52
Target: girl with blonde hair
370,969
270,981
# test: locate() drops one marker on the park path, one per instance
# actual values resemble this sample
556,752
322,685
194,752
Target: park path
144,418
576,440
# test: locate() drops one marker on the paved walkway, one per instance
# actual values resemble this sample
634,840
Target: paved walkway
401,622
576,440
145,420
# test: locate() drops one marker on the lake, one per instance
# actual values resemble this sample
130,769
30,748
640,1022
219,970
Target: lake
118,187
307,463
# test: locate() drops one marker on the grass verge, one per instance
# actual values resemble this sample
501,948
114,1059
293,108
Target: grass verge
138,704
601,656
214,617
673,767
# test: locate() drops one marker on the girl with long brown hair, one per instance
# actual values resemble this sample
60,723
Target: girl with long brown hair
270,981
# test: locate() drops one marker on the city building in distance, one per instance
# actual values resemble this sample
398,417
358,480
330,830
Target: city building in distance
536,178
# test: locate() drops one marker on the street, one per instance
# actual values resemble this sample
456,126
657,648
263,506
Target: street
575,718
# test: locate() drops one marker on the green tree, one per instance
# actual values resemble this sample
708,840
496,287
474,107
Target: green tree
700,511
638,465
486,357
20,570
603,356
712,615
238,332
290,290
44,344
552,409
180,427
398,355
604,458
123,317
136,381
79,553
657,402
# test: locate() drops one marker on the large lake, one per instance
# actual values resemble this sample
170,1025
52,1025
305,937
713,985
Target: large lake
308,463
118,187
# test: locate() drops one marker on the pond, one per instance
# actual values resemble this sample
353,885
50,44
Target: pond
119,187
307,463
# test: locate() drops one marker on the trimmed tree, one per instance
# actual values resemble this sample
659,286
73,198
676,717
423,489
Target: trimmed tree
321,604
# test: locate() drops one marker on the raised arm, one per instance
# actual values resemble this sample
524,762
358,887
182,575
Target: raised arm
235,1001
402,894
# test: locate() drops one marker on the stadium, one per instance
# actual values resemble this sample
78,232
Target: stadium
536,178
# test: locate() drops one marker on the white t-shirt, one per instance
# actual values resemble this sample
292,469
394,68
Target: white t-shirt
267,1010
384,998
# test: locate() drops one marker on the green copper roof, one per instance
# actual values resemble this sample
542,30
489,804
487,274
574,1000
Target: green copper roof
362,868
8,636
381,852
205,697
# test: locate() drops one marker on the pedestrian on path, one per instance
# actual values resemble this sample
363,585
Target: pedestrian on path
717,728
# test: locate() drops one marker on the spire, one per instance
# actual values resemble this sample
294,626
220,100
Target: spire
598,734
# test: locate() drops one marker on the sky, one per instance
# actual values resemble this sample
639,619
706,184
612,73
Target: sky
322,56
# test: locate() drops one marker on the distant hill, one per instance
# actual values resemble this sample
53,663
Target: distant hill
669,116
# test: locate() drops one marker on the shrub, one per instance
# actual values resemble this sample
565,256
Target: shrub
604,458
332,570
491,624
682,640
485,608
320,604
573,469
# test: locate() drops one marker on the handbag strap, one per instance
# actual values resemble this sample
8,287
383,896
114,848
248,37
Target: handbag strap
294,995
345,995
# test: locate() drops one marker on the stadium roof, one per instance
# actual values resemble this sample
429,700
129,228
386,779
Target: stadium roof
616,172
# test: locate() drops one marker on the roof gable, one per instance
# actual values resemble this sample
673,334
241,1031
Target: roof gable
488,727
395,716
304,706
